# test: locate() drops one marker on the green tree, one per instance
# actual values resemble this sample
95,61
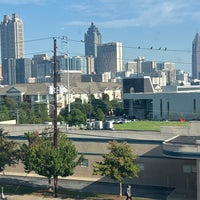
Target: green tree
76,117
4,113
23,112
98,103
78,100
9,151
33,115
8,109
10,103
99,115
105,97
25,150
78,105
71,118
116,107
118,164
41,113
40,156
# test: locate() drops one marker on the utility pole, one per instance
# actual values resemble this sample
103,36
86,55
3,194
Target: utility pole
65,40
55,97
90,103
55,135
68,87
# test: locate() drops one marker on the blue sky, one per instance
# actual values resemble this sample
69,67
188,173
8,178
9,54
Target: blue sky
170,24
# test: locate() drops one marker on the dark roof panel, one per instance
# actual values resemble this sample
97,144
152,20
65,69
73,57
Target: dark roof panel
185,140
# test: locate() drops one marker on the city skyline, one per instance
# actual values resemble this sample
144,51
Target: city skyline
151,25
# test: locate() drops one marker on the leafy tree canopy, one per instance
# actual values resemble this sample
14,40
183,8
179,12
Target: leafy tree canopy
99,115
118,164
99,103
40,155
9,151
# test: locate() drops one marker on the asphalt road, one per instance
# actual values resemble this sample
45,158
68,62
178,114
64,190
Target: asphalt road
89,186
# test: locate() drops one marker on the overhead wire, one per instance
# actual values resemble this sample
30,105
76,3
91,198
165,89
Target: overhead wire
151,48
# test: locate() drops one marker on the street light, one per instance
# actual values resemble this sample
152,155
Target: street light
64,39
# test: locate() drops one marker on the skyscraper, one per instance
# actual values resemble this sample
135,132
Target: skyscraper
196,57
92,40
12,46
109,58
23,70
12,37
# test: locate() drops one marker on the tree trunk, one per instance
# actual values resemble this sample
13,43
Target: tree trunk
120,189
49,185
55,186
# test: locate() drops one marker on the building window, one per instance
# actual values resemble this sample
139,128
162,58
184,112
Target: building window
161,112
194,106
44,97
168,107
189,169
84,163
132,90
194,168
35,97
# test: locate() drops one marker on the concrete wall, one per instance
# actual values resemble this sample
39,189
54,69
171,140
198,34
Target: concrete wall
8,122
156,169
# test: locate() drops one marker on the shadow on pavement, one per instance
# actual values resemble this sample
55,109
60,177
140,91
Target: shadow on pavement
99,187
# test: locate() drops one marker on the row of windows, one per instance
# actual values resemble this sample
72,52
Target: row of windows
168,107
187,169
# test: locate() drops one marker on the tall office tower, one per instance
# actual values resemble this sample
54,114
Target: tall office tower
170,71
12,46
90,65
79,63
148,67
23,70
9,71
196,57
12,37
92,40
109,58
41,67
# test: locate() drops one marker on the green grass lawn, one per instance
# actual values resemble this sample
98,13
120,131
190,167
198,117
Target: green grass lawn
148,125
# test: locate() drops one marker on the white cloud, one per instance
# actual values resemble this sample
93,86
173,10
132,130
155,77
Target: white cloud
130,13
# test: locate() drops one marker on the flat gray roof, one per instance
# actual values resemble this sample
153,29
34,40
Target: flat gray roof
191,140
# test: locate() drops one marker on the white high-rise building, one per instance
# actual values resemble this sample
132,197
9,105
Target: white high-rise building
109,57
12,46
12,37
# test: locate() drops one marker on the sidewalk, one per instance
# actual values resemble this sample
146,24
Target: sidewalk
32,197
181,195
26,197
93,186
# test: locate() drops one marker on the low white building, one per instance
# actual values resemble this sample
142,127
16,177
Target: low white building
142,101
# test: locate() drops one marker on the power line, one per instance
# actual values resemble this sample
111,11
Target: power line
151,48
158,49
38,39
